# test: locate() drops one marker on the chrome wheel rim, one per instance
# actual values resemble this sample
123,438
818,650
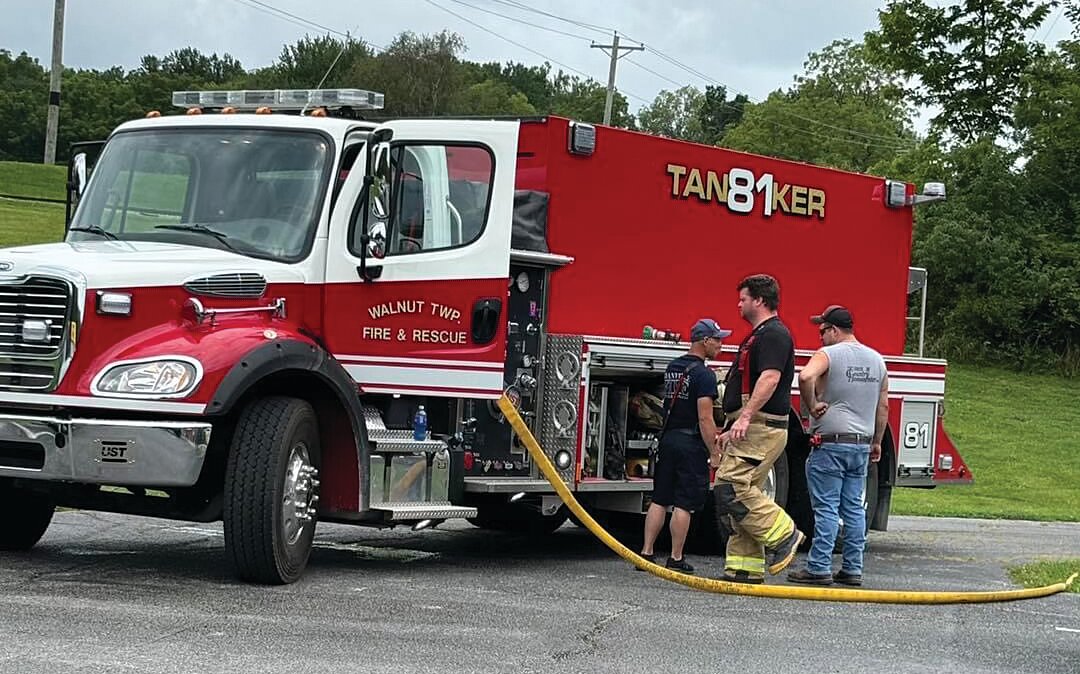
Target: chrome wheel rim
299,499
770,484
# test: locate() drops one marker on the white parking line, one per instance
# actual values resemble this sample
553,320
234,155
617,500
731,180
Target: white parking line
1067,629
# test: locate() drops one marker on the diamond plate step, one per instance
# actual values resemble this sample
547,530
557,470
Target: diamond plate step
384,439
401,512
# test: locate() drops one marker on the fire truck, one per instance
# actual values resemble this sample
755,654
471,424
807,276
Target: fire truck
250,306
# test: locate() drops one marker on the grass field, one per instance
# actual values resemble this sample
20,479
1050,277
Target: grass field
1041,574
23,222
1019,433
32,180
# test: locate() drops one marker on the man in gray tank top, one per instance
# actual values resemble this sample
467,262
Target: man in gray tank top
845,388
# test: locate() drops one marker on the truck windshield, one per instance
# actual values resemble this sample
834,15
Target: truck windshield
254,192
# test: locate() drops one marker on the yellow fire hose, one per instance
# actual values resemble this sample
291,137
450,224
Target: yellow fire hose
726,587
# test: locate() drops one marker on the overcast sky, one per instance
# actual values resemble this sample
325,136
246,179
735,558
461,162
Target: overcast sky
752,47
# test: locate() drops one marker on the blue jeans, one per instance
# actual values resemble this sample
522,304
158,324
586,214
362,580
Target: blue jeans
836,477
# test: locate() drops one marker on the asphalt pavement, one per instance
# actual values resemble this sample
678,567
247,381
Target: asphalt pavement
113,593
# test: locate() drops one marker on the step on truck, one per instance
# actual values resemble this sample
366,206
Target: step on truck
255,295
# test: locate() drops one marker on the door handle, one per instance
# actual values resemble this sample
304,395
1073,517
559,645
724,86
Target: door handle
485,319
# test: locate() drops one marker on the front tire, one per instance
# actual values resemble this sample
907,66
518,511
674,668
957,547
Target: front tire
26,515
271,490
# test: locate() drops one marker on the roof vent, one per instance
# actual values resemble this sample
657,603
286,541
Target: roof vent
238,284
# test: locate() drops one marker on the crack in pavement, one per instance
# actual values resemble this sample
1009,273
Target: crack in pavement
590,637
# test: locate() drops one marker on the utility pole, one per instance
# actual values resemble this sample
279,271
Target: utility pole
615,56
54,82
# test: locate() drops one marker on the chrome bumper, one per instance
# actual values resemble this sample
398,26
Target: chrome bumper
103,451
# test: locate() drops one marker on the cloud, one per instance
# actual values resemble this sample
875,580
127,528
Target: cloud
753,47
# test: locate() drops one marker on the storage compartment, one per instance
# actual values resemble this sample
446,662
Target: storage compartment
623,426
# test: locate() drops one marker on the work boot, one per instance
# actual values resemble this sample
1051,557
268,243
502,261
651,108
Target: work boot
806,578
845,578
647,558
742,576
680,565
779,557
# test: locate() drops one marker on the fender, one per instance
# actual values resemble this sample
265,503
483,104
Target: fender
345,483
281,355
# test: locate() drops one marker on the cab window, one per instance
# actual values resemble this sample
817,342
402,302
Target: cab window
439,196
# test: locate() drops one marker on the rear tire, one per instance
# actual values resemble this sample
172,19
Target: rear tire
26,516
270,508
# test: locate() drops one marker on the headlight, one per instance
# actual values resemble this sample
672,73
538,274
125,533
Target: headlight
167,377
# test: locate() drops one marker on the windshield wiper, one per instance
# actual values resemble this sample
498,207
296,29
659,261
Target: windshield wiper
95,229
201,229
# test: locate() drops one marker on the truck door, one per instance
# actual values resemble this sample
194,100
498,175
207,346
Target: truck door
423,310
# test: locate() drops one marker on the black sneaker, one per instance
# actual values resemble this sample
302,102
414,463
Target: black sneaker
806,578
741,576
845,578
779,557
680,565
647,558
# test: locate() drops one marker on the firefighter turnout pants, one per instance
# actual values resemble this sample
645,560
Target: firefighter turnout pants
755,521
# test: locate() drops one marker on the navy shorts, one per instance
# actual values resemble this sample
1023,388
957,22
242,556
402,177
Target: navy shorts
682,471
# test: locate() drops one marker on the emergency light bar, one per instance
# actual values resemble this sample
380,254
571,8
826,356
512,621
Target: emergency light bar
281,99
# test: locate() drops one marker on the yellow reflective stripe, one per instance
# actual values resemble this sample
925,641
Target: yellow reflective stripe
779,530
748,564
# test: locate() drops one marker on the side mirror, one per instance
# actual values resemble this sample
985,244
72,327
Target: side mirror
376,246
78,174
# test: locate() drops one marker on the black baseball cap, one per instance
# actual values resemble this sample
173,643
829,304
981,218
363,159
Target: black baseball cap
834,314
707,327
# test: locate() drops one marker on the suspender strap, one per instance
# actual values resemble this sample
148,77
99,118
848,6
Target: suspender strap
675,396
744,366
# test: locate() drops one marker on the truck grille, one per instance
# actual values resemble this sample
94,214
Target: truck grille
243,284
34,316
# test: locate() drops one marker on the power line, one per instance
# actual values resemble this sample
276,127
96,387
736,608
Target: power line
300,21
292,18
521,46
527,23
1061,10
892,140
615,56
581,24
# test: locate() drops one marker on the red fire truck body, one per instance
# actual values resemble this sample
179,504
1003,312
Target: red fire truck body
249,310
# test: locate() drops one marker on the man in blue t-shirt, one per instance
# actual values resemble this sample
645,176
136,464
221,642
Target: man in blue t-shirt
681,480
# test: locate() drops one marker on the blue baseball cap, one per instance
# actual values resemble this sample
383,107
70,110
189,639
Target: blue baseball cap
707,327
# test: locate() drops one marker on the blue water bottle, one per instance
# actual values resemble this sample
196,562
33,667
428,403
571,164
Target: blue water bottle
419,431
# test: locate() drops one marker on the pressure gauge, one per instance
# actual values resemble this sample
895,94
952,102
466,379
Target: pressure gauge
523,282
526,360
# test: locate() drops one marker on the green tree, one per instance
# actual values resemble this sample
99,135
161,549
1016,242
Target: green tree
584,100
304,64
418,74
1048,124
675,114
24,96
492,97
191,62
841,112
968,57
718,114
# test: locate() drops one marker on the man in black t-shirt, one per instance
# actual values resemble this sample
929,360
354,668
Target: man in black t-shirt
681,480
757,398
